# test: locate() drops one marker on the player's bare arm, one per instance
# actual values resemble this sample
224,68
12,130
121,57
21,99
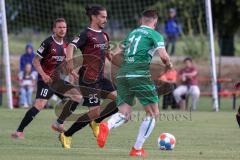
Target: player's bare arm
116,57
69,60
164,57
36,62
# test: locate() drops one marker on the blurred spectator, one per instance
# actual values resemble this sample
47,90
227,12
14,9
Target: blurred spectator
170,77
27,81
172,30
189,85
27,58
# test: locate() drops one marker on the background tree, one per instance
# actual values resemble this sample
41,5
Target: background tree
226,15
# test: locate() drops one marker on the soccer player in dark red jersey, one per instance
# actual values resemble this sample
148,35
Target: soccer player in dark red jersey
94,44
49,57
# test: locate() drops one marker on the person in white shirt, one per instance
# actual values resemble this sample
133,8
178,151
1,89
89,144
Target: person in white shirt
27,81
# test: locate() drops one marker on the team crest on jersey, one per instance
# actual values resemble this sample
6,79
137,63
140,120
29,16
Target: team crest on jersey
76,39
41,49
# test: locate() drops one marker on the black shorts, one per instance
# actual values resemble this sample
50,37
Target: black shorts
59,87
93,92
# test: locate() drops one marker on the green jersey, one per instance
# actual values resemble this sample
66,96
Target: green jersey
139,47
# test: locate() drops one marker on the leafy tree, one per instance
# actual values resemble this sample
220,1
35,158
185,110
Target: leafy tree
226,16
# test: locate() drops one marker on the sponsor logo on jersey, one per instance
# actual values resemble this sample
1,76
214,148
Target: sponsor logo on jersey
100,45
58,58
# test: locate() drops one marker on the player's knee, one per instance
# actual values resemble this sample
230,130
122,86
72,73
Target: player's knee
156,113
149,112
39,104
94,113
76,98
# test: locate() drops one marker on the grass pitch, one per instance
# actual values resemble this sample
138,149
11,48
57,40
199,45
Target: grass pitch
200,135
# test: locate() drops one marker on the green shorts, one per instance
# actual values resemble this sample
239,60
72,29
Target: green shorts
140,87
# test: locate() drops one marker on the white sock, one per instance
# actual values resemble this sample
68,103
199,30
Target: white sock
145,130
116,120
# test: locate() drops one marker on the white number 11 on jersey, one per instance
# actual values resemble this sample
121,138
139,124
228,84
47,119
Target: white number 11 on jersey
133,41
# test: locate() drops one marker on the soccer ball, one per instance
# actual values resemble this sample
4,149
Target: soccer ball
166,141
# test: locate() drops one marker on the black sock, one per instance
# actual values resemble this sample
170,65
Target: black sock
238,119
109,110
238,116
84,120
66,108
30,114
79,124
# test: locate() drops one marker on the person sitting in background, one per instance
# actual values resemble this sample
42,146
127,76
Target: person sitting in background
27,81
27,58
188,86
169,79
172,30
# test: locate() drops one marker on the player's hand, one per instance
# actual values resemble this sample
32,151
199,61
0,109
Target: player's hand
69,66
74,75
169,66
47,79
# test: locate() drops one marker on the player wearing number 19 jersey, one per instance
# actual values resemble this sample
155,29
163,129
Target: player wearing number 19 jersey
133,80
49,57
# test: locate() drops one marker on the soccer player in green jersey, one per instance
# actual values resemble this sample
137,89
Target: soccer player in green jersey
134,80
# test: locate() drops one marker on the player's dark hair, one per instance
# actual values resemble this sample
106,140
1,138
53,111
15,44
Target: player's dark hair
94,10
150,14
58,20
187,59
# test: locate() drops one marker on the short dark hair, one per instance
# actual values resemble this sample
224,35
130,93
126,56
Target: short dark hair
187,59
58,20
93,10
150,14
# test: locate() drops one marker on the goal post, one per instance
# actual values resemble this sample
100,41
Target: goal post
6,58
212,55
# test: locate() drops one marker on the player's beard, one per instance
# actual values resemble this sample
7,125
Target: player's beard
61,35
102,26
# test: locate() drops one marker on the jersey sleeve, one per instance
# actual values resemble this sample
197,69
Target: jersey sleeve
158,40
43,49
79,41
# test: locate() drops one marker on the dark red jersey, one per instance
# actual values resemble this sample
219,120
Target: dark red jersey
52,54
93,45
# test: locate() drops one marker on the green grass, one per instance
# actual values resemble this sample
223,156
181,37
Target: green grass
204,135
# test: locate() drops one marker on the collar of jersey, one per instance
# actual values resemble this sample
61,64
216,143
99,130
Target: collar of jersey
145,26
60,43
94,30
